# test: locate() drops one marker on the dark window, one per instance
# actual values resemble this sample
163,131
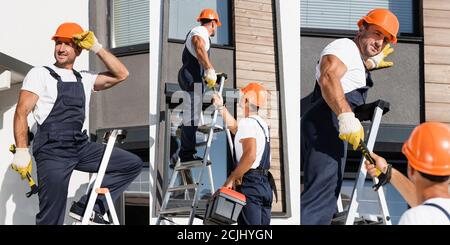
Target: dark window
129,25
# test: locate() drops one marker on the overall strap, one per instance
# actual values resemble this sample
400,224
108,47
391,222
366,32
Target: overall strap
53,73
438,207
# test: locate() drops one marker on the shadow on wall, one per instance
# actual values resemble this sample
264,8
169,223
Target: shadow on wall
8,99
78,194
12,188
13,191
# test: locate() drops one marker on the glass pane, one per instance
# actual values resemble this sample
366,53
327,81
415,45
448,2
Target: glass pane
183,17
130,22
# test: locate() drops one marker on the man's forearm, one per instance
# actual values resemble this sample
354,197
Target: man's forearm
405,187
113,64
229,120
244,165
333,94
202,57
20,130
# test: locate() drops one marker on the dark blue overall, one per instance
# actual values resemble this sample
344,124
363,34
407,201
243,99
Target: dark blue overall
323,156
257,186
190,76
60,147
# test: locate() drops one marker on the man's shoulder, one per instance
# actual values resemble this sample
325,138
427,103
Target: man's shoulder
341,43
37,70
199,30
248,122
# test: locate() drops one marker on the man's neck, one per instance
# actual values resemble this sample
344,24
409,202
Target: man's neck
208,28
68,66
433,191
356,41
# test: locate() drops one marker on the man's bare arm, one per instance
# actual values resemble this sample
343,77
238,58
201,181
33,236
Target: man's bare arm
331,72
27,101
202,55
117,71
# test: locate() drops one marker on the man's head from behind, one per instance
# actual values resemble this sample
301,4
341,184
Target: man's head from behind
378,28
428,153
66,50
210,19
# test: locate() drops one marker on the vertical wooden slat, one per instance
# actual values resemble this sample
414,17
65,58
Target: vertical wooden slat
437,60
255,56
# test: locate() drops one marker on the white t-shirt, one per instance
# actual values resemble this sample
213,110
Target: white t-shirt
200,31
427,215
39,81
249,128
346,51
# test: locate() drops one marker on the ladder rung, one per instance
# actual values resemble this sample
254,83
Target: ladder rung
203,143
182,187
189,165
206,128
176,210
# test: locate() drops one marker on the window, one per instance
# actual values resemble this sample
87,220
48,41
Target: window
343,15
129,23
183,17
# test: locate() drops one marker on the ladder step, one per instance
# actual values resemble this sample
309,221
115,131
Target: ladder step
206,128
182,187
203,143
176,210
339,219
192,164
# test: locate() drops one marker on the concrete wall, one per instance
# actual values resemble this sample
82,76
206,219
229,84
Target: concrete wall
26,37
400,84
126,104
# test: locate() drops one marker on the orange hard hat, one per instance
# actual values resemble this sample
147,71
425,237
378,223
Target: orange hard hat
384,19
67,30
428,149
209,14
255,93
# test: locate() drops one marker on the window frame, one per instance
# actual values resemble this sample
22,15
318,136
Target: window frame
135,49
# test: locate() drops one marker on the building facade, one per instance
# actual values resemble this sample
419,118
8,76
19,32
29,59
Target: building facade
248,47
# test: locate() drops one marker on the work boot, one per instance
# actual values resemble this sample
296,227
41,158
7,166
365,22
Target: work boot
77,212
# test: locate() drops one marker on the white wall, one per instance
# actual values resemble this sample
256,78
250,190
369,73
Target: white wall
155,62
288,24
26,31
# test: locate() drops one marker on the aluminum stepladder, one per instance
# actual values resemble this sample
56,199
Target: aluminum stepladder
96,180
373,111
184,169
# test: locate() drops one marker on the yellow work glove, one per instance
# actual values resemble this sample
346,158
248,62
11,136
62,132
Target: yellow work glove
378,61
350,129
22,162
210,78
87,40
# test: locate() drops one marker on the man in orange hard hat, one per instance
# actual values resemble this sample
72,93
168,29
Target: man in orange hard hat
342,82
197,67
252,151
58,96
427,189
